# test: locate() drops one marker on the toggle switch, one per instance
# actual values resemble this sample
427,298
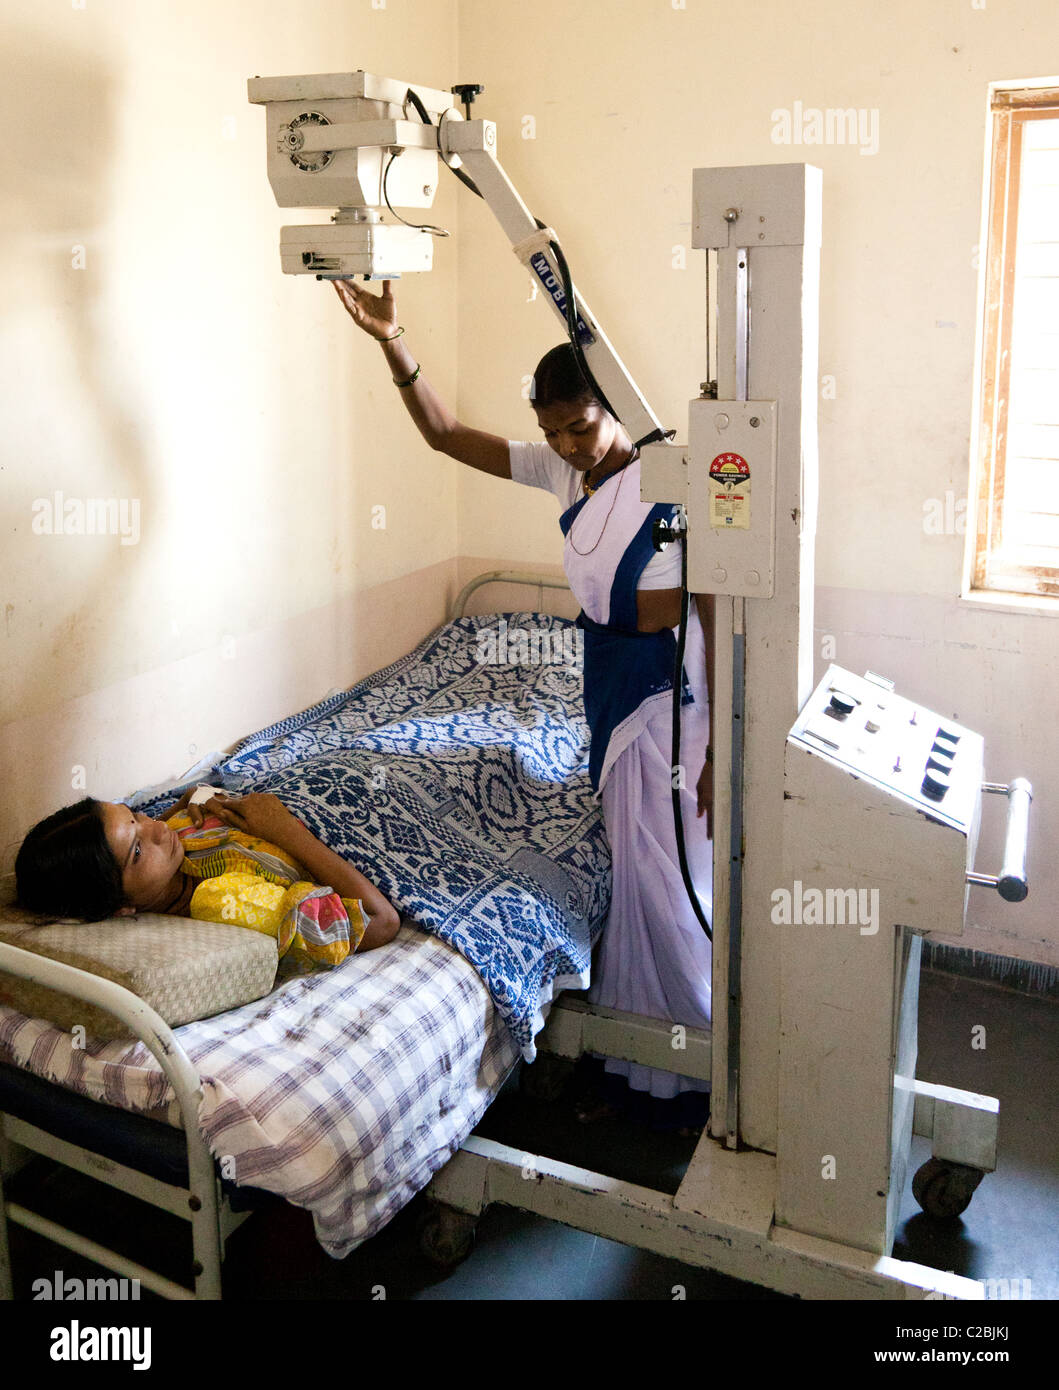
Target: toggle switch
821,735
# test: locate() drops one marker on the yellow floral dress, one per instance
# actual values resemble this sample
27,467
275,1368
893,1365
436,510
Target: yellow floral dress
249,882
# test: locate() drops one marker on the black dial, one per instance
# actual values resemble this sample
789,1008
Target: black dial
841,704
935,783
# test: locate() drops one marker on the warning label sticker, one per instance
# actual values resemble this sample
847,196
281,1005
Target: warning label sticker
729,468
730,492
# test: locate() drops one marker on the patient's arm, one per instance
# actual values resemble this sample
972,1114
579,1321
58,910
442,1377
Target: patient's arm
325,866
263,814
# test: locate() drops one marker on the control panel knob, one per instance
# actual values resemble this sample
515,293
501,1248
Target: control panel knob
841,705
945,751
935,783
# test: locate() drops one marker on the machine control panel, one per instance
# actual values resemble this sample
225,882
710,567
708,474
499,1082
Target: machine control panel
927,759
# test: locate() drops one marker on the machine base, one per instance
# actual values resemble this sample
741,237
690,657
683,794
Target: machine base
484,1172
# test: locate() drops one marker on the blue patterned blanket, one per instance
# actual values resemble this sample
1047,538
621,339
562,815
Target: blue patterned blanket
457,781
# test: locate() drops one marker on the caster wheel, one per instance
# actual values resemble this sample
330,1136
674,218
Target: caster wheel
945,1189
446,1236
547,1077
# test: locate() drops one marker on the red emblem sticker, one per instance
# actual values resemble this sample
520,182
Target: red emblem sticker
729,468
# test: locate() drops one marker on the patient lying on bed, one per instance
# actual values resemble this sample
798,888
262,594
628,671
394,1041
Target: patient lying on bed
246,861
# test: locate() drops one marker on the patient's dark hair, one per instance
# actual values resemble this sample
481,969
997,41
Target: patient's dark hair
66,868
559,380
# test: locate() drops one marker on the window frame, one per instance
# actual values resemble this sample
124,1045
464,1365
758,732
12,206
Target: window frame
1011,106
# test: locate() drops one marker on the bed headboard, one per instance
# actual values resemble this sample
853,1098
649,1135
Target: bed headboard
568,605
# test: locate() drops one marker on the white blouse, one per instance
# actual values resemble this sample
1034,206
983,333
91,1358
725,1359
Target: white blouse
538,465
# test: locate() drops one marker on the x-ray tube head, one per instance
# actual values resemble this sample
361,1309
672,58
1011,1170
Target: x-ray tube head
352,142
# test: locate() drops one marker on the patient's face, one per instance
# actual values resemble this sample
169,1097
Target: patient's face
148,852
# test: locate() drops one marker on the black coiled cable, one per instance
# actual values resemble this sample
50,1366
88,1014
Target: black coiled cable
678,682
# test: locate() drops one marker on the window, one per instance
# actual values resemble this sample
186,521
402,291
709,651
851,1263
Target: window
1016,545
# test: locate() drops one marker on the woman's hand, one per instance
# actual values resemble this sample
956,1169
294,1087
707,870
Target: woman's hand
375,313
704,791
181,805
196,813
258,813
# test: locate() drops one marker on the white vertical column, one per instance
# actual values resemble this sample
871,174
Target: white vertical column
774,212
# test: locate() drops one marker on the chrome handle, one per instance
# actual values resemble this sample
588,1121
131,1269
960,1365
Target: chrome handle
1011,883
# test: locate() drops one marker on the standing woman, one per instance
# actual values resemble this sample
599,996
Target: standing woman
654,958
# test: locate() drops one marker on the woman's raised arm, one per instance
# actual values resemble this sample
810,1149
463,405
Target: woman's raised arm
377,316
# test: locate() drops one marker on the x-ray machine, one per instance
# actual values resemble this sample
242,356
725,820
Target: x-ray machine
845,817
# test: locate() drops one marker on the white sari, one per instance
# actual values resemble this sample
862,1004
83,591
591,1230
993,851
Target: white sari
654,958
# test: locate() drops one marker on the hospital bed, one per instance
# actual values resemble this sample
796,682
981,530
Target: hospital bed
396,1054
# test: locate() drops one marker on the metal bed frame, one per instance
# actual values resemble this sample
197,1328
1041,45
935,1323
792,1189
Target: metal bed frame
540,582
201,1202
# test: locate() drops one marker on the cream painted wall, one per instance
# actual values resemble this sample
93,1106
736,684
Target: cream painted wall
238,408
257,430
622,102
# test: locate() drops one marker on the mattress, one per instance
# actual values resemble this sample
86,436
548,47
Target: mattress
342,1092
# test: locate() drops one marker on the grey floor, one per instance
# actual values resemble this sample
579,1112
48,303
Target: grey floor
1008,1233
